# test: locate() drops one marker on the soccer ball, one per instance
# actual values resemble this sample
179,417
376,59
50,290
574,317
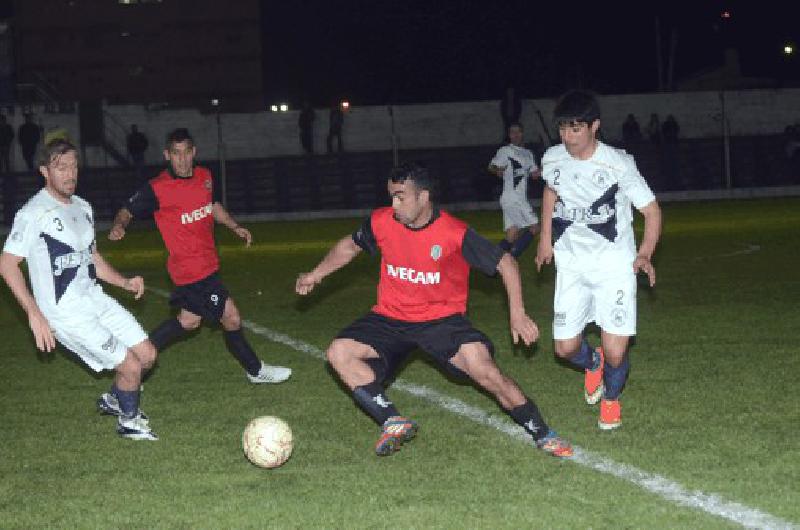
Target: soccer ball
267,441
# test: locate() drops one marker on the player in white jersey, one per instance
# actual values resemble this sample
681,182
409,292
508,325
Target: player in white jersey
587,221
54,233
515,165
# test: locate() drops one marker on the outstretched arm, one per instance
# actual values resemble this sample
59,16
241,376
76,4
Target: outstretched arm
107,273
222,216
522,326
544,252
652,232
340,255
42,334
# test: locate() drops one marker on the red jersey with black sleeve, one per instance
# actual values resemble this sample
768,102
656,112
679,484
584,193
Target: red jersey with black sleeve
182,209
424,271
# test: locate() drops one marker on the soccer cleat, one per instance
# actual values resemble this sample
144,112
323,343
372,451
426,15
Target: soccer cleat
108,403
610,414
270,374
396,431
593,380
136,428
554,445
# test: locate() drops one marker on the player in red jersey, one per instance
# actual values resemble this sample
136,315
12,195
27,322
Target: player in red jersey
426,255
181,201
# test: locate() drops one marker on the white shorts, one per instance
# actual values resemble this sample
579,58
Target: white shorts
606,298
100,333
517,213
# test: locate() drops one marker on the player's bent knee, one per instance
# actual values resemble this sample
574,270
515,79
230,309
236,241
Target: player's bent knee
189,323
146,354
232,322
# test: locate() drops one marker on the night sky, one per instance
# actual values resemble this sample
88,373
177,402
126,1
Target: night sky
391,51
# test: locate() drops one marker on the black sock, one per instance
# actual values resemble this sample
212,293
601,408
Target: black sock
372,398
527,415
166,332
523,241
239,348
128,402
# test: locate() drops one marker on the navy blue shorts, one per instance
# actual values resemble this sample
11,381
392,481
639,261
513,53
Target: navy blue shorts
205,297
394,340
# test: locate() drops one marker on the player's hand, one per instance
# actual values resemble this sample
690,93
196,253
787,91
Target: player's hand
245,234
523,327
544,253
642,263
42,333
117,232
134,285
306,282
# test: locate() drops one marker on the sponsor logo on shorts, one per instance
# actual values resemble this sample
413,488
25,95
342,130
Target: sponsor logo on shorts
619,317
215,299
436,252
196,215
560,318
110,344
413,276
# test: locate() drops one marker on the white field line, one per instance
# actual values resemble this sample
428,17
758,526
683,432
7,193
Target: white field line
657,484
748,249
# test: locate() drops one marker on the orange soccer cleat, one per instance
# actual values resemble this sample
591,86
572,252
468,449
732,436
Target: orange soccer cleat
610,414
396,431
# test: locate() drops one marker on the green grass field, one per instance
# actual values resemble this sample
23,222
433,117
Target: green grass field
710,416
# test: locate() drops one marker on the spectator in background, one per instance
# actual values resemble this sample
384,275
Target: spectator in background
28,137
670,130
335,127
6,137
654,129
56,133
137,145
791,136
631,132
9,179
510,111
306,124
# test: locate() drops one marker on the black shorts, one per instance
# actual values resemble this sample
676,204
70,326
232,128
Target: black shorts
395,339
205,297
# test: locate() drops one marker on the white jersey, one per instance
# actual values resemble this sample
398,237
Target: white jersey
57,241
593,218
519,163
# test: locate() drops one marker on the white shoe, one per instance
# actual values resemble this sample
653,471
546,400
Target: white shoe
270,374
136,428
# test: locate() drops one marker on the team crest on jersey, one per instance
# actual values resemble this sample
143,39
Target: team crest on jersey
600,177
436,252
207,184
619,317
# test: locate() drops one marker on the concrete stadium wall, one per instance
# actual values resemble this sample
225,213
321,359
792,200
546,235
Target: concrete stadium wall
369,128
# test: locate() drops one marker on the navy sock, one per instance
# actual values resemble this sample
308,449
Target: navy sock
166,332
523,241
585,358
505,244
128,402
614,379
372,398
528,416
239,348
